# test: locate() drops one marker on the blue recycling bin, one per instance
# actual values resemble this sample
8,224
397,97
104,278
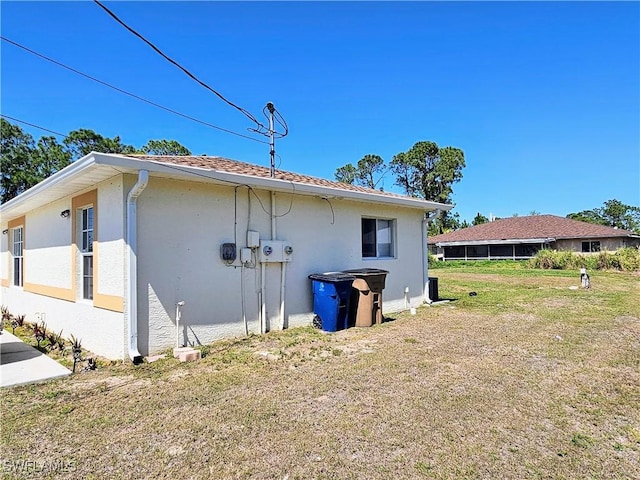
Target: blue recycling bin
331,294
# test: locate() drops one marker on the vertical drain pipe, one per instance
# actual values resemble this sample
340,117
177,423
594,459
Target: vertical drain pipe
132,261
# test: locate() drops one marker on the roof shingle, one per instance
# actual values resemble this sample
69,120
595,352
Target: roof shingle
221,164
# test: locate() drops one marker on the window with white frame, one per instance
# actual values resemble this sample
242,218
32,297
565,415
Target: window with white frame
17,250
86,250
378,238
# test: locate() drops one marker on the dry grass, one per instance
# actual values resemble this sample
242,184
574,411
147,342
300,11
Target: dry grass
528,379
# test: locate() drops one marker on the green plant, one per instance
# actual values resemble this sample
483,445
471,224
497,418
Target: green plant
54,340
76,348
20,320
40,332
76,343
629,259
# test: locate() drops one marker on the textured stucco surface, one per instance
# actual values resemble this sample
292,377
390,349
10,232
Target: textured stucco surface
183,224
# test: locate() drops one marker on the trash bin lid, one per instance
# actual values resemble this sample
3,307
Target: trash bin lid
367,271
332,277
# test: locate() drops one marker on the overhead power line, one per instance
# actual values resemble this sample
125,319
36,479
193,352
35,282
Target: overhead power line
261,127
33,125
133,95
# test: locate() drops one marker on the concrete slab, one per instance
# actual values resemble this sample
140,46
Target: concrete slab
21,364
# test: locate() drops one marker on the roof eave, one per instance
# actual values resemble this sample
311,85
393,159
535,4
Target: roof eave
68,173
513,241
123,164
272,184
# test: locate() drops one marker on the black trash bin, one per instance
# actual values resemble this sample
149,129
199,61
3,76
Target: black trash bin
371,300
331,295
433,289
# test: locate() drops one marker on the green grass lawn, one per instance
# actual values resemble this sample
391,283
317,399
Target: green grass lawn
530,378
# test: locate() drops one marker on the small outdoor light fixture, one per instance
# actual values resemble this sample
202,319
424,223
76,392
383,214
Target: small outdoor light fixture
65,213
5,231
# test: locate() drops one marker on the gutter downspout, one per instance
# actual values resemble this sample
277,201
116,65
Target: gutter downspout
132,264
425,255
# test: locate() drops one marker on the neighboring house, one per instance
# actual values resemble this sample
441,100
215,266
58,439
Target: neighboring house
106,248
522,237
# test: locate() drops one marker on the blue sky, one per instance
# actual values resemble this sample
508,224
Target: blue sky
543,97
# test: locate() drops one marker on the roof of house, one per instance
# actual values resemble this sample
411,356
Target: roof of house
221,164
97,167
537,228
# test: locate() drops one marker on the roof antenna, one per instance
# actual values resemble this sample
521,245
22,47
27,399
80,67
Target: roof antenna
272,141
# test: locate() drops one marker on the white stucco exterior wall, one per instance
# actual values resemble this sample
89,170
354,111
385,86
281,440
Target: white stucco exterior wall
52,272
47,255
111,237
181,226
100,330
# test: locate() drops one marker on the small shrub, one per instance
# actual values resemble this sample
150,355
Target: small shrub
20,320
55,340
544,259
626,259
629,259
40,332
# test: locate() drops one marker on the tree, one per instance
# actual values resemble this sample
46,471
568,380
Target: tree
346,174
16,166
49,157
589,216
445,223
428,171
479,219
364,174
24,163
165,147
613,213
82,142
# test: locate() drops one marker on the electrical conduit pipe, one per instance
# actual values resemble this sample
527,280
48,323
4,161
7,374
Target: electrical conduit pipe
132,264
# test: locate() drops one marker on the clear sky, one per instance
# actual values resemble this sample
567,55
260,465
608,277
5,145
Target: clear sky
543,97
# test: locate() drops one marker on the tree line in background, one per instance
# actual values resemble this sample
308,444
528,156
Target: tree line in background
424,171
427,171
25,162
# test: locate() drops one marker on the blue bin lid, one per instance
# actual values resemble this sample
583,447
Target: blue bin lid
332,277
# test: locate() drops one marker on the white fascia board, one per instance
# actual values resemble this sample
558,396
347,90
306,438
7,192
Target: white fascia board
35,194
513,241
272,184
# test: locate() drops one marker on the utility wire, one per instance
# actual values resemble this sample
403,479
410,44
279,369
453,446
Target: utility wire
261,128
137,97
32,125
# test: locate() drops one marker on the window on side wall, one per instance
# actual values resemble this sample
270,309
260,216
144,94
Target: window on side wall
378,238
590,247
86,250
17,250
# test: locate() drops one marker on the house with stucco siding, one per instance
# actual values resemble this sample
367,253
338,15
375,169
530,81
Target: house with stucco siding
108,248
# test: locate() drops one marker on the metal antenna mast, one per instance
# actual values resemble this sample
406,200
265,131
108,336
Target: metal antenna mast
272,141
